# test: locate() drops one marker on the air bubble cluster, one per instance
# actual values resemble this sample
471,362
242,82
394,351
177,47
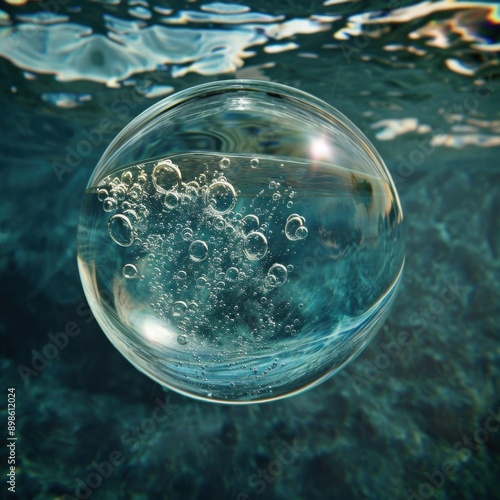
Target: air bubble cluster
192,242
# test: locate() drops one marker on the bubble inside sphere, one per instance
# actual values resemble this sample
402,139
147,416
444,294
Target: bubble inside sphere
240,241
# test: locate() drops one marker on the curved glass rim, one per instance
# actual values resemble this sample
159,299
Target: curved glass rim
227,86
389,298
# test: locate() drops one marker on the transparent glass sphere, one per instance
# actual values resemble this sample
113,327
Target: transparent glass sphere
240,241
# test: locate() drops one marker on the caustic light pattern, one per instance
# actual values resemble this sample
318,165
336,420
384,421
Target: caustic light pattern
239,278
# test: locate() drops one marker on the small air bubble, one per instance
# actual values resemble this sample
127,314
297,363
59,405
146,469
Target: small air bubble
270,281
166,175
279,273
135,191
109,204
127,177
130,271
219,223
255,246
254,163
198,251
179,308
301,232
102,194
220,197
249,223
121,231
201,282
232,274
187,234
225,163
182,339
191,193
119,191
171,200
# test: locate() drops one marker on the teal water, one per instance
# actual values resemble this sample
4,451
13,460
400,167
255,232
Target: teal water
414,415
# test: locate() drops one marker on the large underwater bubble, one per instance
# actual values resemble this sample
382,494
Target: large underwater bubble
240,241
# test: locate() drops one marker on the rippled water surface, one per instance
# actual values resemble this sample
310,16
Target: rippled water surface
415,415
